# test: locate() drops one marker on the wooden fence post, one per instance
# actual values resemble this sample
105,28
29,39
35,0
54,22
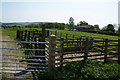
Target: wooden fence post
43,40
28,36
66,36
103,46
80,43
91,43
17,34
22,32
61,52
106,50
21,35
52,46
47,33
86,49
35,45
43,33
119,51
25,34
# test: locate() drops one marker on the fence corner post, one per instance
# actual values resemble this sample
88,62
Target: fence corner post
51,60
119,51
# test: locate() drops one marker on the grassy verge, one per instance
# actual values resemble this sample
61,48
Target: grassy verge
9,32
85,70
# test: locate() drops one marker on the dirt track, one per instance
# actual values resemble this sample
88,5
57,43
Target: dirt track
9,74
7,45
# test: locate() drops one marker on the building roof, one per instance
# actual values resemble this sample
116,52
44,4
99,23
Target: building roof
84,26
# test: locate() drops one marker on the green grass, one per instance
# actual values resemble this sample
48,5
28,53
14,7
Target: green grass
9,32
12,33
95,35
88,34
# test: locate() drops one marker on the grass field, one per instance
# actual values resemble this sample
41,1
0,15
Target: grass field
95,35
12,33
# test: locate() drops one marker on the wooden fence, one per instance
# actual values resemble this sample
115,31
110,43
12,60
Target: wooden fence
31,35
102,50
72,48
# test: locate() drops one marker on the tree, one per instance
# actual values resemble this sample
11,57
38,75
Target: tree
71,23
109,28
104,28
82,23
96,27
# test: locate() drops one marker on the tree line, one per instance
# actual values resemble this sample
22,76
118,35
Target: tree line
109,29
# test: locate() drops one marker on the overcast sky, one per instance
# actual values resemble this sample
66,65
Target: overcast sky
101,12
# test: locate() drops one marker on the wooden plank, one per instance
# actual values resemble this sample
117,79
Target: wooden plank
113,45
98,46
113,49
73,47
95,55
73,57
97,58
77,52
113,40
113,53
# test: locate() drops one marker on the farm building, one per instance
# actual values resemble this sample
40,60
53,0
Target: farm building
84,28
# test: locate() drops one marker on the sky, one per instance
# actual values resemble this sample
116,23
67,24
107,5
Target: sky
101,12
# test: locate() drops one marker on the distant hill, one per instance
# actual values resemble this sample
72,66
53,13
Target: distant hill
21,23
